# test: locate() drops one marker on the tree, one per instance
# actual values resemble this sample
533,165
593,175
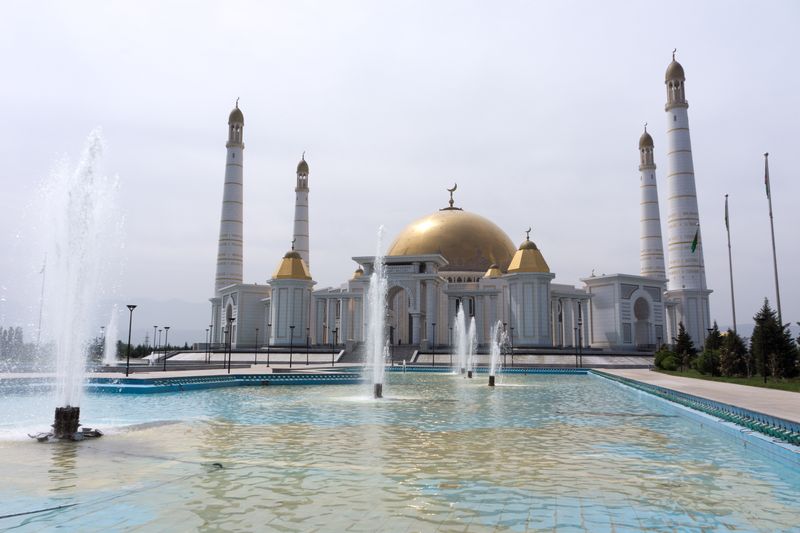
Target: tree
684,347
772,346
734,360
714,339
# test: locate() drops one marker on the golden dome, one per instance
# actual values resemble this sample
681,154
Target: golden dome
528,259
358,273
292,266
645,141
674,71
302,166
493,272
236,116
468,241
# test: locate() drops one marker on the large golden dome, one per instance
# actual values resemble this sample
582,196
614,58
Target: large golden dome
468,241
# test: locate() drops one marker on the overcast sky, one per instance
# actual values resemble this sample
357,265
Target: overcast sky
534,108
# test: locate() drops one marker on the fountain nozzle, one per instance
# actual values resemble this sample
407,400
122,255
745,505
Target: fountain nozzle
379,390
491,381
469,374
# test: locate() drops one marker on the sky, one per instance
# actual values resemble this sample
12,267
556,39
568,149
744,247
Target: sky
534,109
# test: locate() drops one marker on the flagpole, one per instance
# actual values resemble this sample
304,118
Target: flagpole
772,229
730,263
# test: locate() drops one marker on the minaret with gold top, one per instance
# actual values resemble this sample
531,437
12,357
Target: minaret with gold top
290,303
686,285
651,246
301,244
231,234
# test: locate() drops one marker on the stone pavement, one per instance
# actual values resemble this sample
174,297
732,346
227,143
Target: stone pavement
782,404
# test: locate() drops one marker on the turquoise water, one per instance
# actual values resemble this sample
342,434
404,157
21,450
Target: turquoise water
440,453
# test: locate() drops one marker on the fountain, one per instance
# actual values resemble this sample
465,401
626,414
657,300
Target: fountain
110,339
376,346
82,224
465,342
498,342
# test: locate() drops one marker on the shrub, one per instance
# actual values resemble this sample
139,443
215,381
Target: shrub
708,362
670,362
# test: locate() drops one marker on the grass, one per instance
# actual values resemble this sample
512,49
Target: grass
790,384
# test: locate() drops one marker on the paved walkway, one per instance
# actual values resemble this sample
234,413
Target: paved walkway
783,404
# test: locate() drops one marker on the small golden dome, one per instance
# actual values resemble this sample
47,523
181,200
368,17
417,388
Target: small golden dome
528,259
468,241
236,116
292,266
302,166
493,272
645,141
358,273
674,72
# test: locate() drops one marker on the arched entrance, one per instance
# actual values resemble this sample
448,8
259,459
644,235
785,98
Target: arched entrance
641,312
399,319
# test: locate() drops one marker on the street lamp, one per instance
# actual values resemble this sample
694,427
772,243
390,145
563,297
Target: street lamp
580,343
450,344
512,346
210,338
166,345
433,345
230,342
155,343
131,307
307,340
335,331
269,342
576,346
207,346
505,352
255,350
291,345
333,351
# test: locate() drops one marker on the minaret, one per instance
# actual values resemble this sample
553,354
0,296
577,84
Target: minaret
301,211
687,277
651,255
229,254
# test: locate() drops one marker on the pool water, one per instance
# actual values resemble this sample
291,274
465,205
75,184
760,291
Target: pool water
439,453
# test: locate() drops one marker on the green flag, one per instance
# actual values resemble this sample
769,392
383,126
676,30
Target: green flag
696,237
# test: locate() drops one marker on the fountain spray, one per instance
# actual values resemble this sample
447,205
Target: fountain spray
377,348
83,224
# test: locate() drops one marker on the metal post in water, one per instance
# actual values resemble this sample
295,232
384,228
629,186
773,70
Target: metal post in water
378,390
491,381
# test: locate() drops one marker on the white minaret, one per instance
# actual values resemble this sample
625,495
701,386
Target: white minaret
651,255
229,254
687,278
301,211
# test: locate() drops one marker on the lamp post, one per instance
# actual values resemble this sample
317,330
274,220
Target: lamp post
207,346
512,346
505,352
131,307
433,345
335,331
333,352
307,340
210,338
450,344
269,342
230,343
255,350
580,343
576,346
158,342
166,344
291,344
155,343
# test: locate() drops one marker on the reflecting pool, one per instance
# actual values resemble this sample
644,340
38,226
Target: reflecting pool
439,453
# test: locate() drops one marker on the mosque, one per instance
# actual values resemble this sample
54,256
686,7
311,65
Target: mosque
453,258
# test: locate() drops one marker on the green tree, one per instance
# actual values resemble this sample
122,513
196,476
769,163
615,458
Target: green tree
714,339
772,346
684,347
734,359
